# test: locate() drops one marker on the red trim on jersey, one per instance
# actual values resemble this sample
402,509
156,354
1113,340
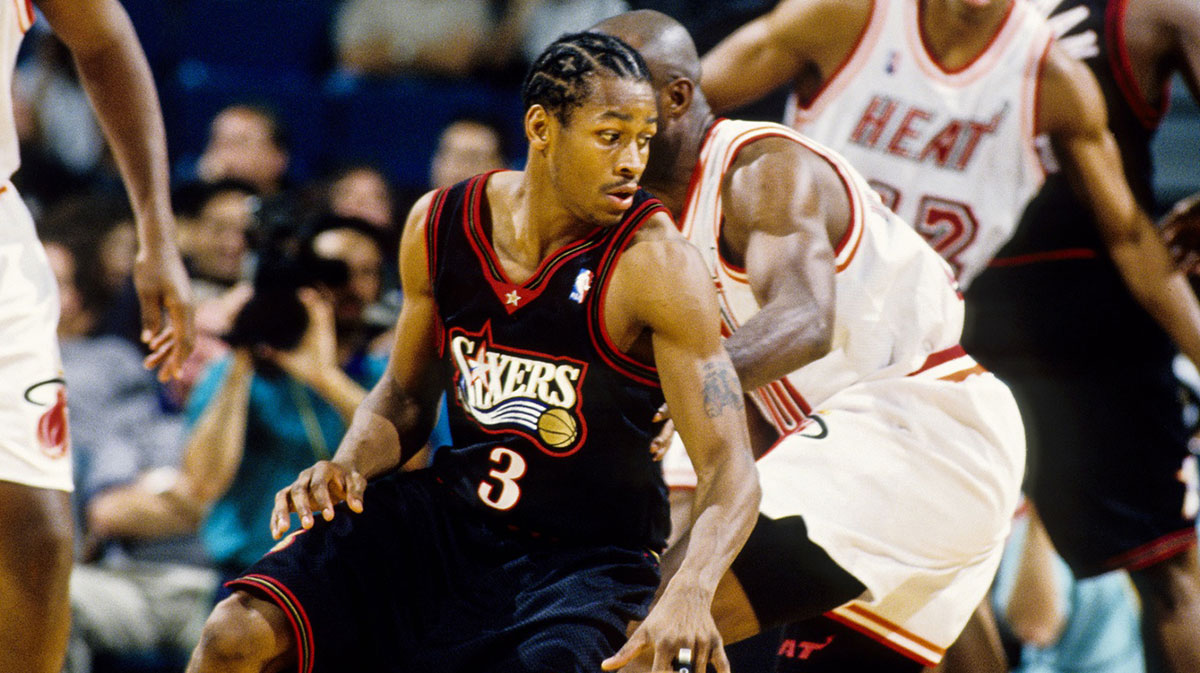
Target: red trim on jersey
1047,256
941,357
1122,68
432,218
697,174
991,41
280,595
894,628
512,295
1155,552
608,264
833,75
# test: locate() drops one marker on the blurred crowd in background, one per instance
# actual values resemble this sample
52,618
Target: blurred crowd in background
300,133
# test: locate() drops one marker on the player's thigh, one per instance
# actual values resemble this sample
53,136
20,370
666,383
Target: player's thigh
247,627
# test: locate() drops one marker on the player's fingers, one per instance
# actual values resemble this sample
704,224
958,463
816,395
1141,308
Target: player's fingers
301,503
321,499
719,660
663,654
150,301
661,415
280,521
631,648
662,441
356,485
182,319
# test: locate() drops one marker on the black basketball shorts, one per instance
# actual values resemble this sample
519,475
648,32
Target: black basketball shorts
419,582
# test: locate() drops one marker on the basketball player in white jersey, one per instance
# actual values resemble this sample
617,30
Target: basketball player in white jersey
892,461
35,461
939,102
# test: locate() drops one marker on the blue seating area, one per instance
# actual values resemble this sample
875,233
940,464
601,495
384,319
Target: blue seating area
1177,164
208,54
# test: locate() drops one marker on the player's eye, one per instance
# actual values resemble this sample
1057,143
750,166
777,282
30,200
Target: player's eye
609,136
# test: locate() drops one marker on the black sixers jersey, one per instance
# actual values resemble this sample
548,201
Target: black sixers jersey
1052,293
551,423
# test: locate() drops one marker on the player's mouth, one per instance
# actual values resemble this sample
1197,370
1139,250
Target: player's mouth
622,196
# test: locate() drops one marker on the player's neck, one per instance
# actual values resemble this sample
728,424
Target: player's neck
955,32
669,181
529,222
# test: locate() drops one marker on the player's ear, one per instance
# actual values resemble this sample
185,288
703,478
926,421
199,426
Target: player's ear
677,97
537,127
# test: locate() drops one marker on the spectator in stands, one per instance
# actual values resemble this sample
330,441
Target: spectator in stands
219,247
466,147
362,191
246,143
143,586
283,397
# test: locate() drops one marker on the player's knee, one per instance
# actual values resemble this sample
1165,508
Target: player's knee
239,631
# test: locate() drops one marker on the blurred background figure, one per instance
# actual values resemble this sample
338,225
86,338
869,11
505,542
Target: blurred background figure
465,148
246,143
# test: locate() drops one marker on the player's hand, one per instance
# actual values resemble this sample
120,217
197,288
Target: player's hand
682,618
165,296
662,442
317,489
1181,227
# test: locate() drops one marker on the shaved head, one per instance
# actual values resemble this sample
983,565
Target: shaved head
663,42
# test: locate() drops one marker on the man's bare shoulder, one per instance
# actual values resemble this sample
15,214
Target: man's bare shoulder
777,185
1070,99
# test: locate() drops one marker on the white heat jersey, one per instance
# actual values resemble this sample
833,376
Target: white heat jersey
16,17
951,152
897,307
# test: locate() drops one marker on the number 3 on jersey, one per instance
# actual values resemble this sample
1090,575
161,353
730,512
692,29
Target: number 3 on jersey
510,467
948,226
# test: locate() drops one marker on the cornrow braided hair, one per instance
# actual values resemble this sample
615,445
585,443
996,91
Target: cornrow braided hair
560,79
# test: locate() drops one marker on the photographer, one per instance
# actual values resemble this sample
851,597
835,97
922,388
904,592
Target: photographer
283,397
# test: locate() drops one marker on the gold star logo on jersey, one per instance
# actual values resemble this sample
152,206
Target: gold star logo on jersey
513,298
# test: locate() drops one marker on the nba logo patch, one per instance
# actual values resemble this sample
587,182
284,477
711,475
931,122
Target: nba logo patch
893,60
583,283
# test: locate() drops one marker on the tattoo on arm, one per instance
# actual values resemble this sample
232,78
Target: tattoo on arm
720,389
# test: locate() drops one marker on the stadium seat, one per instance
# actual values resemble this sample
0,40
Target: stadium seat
198,91
394,123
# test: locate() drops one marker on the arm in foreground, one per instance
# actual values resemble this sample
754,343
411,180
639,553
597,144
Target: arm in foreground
782,208
117,78
705,397
397,415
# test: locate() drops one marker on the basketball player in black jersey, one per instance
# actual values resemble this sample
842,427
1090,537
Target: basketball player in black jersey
1052,317
557,308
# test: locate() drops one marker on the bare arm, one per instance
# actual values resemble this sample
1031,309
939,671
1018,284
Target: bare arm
781,211
703,392
217,443
773,49
1033,609
1071,109
117,79
395,419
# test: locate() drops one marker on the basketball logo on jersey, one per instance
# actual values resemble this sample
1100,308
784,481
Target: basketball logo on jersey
510,390
583,283
52,432
911,132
